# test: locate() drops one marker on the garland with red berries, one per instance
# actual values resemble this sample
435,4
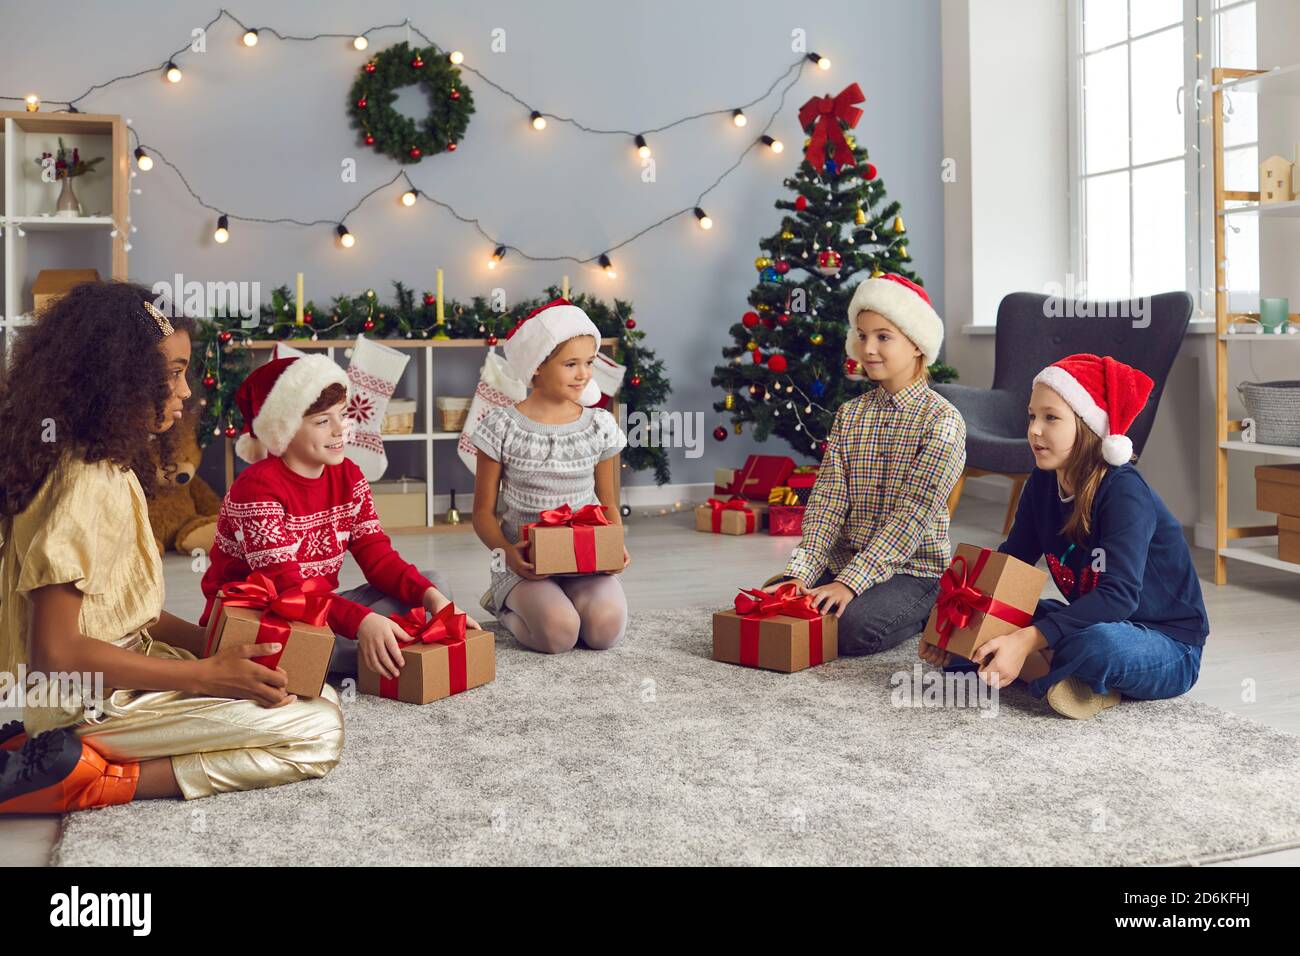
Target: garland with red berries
397,136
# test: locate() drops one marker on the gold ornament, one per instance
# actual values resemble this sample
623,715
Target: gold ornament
762,262
751,345
851,140
807,141
729,400
763,307
902,252
787,235
739,428
816,338
860,217
876,273
898,224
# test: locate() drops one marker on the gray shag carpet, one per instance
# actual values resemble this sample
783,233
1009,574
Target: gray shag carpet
651,753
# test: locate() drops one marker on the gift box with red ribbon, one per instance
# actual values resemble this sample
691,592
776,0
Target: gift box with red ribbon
983,594
564,541
776,631
255,611
785,519
733,516
758,477
440,657
801,482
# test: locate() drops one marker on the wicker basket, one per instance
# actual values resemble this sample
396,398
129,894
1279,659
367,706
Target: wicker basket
1275,407
452,411
399,417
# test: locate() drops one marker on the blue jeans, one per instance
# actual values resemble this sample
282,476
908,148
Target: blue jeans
1134,659
885,615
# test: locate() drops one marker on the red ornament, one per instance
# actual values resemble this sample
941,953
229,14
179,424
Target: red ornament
801,203
828,262
224,336
306,318
781,267
758,356
630,323
430,298
361,103
451,147
777,363
370,140
720,434
634,381
370,67
417,62
783,318
209,381
750,319
455,94
415,152
491,340
850,366
231,431
822,447
368,324
870,174
769,322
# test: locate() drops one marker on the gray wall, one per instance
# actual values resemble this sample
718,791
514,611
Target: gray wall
262,132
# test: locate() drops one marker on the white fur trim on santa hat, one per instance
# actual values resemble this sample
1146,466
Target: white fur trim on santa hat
540,335
280,416
914,316
1077,397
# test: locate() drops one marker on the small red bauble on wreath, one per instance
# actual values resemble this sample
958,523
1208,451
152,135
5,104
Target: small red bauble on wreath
397,136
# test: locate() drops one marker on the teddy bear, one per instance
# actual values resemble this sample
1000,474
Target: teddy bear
184,510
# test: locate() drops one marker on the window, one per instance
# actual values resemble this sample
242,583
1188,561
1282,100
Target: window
1141,156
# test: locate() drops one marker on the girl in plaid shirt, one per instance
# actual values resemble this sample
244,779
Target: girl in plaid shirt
875,532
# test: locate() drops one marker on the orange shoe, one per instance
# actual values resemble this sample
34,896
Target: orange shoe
56,772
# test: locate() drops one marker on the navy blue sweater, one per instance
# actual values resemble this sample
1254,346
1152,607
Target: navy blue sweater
1135,567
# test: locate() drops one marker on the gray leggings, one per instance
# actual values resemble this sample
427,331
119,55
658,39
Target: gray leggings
344,662
884,616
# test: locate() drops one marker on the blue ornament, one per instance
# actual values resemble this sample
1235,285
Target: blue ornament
831,167
769,275
817,389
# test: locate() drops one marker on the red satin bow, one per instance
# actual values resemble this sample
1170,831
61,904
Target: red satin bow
959,599
534,312
734,503
828,112
307,602
754,605
446,627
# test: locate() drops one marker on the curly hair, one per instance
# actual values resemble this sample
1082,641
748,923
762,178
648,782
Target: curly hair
90,367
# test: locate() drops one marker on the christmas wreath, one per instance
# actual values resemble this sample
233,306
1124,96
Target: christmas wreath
398,136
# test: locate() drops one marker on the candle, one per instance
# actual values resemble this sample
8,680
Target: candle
440,318
298,315
564,293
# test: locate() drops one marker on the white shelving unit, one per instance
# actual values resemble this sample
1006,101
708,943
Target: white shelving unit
1283,81
34,238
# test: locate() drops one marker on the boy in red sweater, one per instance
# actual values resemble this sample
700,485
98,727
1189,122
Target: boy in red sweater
302,503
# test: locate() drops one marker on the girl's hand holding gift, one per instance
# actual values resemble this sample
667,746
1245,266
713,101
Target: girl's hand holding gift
1002,658
517,561
934,655
627,559
435,601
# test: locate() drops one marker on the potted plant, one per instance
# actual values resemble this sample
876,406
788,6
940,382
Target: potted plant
65,167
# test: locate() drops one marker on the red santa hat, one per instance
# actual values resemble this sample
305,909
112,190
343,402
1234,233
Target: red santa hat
540,332
1107,394
274,399
902,302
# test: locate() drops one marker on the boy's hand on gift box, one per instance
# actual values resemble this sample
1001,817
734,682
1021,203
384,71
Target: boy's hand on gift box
934,655
1002,658
517,562
435,601
378,644
232,673
831,598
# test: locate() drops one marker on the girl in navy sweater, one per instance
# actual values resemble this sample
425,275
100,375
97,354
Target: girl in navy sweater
1133,622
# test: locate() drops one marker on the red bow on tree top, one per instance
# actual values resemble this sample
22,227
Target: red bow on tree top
540,308
827,112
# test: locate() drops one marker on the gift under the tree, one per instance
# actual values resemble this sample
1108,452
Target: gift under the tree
440,657
983,594
785,519
733,516
254,611
777,631
758,477
564,541
801,482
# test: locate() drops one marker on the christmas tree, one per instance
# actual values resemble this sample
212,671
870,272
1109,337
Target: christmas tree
787,372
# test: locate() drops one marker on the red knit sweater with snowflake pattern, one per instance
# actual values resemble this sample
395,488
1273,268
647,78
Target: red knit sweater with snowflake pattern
290,527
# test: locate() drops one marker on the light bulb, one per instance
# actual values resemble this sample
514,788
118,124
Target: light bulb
539,121
703,218
498,254
642,147
173,72
33,102
738,117
360,43
456,57
408,197
346,238
223,229
775,145
250,38
821,61
605,263
143,161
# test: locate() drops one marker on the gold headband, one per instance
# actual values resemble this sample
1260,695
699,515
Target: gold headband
164,325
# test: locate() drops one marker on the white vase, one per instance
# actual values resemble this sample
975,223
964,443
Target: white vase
67,204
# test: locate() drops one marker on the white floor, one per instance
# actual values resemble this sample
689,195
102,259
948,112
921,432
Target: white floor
1252,649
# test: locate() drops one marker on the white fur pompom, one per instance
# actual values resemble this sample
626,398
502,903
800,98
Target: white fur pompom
1116,449
249,449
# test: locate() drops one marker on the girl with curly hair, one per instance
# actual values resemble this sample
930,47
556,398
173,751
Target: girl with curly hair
93,384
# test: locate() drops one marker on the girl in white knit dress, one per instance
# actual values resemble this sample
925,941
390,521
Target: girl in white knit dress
547,451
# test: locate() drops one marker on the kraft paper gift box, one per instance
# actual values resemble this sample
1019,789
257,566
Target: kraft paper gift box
399,502
736,516
1277,489
575,542
253,612
442,659
777,631
983,594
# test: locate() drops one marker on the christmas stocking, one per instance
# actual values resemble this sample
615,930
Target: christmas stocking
609,377
372,375
497,387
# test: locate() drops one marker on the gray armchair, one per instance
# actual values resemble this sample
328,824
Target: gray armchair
1034,331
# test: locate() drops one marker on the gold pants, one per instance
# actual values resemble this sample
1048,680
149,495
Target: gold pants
217,744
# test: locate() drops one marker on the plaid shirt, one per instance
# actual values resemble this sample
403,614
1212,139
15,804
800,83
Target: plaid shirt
880,505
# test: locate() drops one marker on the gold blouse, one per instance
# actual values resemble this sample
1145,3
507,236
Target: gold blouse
88,525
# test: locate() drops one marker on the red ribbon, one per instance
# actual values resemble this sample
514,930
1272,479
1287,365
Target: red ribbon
446,627
755,605
308,602
959,599
827,113
735,503
584,521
